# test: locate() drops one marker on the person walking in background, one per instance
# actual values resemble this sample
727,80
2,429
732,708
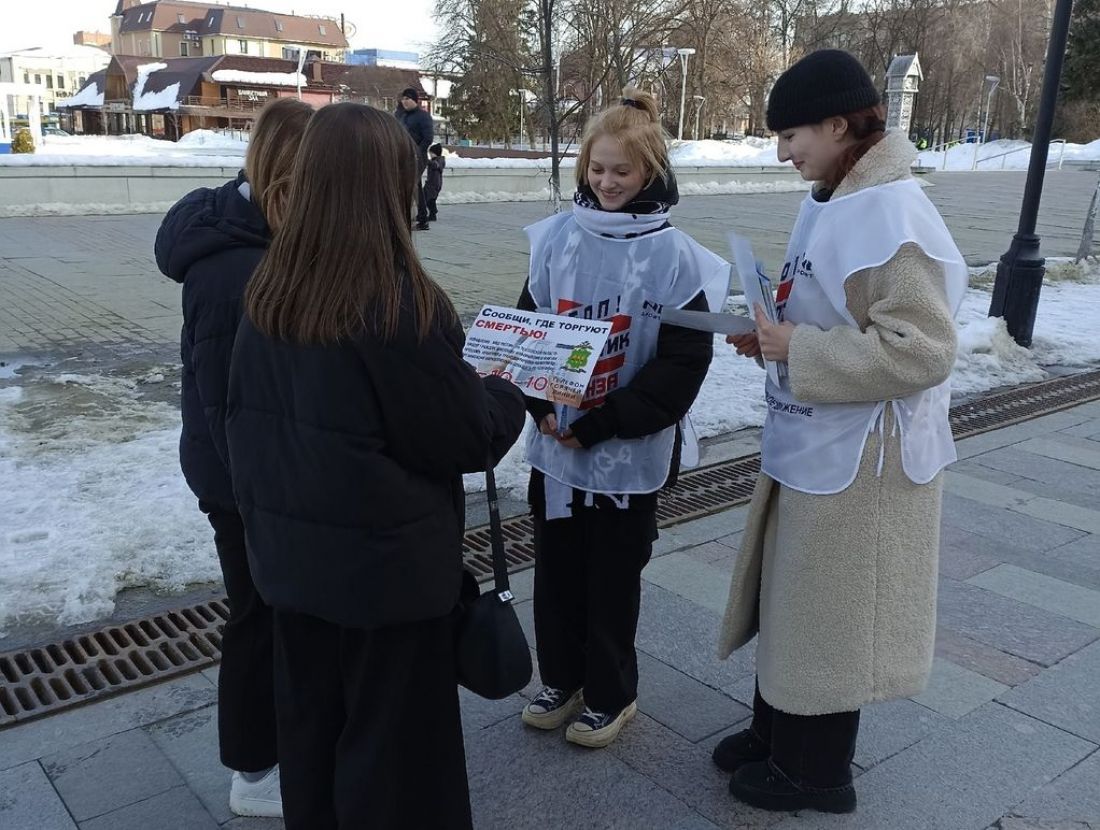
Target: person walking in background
436,166
419,124
211,241
597,468
352,417
838,565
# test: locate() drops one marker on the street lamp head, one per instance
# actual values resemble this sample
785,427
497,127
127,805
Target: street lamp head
699,98
685,51
994,78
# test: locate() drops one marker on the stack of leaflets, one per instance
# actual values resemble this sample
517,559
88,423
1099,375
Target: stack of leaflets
758,292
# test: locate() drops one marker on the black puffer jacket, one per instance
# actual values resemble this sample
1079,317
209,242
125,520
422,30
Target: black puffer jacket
347,463
211,241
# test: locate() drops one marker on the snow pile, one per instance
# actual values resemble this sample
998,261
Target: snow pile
132,151
94,501
1004,155
210,140
234,76
725,188
166,99
143,73
84,209
89,96
761,153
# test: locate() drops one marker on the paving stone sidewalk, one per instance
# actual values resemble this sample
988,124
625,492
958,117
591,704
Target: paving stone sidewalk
89,284
1005,736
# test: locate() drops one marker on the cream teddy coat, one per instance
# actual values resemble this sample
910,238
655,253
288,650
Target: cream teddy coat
842,588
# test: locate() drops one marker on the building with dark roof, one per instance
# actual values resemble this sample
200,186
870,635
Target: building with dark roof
173,96
181,28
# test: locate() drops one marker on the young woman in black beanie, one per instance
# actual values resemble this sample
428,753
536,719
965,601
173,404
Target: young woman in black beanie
838,566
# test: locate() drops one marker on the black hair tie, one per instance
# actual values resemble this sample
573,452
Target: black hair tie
630,102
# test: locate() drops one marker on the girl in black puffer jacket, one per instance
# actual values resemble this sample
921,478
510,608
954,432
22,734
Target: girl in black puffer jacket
211,241
351,420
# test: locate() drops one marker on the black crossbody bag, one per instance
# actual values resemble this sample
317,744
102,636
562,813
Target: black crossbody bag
494,660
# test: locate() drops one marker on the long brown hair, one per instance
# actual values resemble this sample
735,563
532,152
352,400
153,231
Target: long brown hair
637,126
272,147
867,126
344,257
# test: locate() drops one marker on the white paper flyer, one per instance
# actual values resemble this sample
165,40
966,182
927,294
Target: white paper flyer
546,355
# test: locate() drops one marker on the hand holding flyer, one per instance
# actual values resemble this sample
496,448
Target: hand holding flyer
546,355
758,292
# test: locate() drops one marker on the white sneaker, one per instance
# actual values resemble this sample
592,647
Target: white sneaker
552,707
598,729
256,798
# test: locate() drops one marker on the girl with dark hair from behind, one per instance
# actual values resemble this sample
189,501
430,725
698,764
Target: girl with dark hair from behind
352,418
212,241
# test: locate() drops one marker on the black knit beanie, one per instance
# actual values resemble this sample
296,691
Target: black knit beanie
411,92
824,83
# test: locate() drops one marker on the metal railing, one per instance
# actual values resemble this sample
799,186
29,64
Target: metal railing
943,147
1005,155
236,105
976,160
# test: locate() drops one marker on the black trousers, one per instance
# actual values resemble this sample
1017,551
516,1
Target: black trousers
814,751
370,734
246,690
587,594
421,198
432,207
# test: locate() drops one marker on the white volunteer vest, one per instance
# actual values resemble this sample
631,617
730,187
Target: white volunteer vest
577,273
817,447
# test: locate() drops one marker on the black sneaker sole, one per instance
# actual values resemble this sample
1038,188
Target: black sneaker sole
839,801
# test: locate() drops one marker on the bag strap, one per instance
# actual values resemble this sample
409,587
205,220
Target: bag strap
496,536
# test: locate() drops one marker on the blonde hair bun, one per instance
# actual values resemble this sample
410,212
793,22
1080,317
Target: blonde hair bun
642,101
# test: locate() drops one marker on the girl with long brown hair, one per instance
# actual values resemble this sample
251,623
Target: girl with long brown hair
211,241
352,418
838,564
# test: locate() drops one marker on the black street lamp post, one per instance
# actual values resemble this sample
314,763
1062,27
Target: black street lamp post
1020,271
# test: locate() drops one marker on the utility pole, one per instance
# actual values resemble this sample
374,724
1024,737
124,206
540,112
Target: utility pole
683,53
1021,269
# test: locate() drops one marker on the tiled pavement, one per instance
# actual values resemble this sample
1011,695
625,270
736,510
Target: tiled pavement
1005,736
90,282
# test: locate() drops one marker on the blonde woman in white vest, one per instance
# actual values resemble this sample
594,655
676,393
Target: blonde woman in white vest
597,467
838,565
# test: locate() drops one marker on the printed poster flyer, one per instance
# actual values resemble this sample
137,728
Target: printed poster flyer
545,355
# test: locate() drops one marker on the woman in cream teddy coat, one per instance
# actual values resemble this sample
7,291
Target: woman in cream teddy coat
841,587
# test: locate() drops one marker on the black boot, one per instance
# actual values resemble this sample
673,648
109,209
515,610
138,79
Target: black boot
762,784
737,750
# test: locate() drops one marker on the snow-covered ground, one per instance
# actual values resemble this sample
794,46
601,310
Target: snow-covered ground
94,501
1004,155
207,148
202,148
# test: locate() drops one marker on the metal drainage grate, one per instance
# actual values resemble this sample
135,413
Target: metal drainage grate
1003,409
40,681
